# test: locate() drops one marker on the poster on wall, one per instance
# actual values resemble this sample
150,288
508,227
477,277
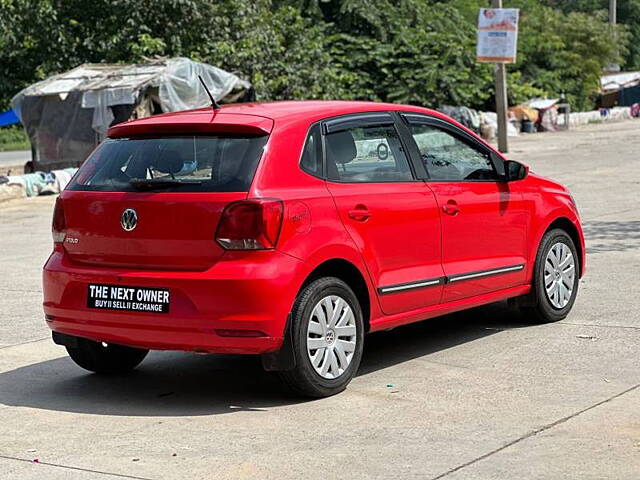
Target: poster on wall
497,35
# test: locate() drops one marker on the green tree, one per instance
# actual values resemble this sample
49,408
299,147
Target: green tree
284,54
558,52
628,14
566,53
406,51
411,51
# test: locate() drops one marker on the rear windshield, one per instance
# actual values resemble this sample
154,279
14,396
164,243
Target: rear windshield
172,164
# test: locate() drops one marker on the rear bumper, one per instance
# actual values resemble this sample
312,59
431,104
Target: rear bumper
252,292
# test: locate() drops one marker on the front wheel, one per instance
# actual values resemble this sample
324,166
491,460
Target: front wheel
327,335
106,358
555,278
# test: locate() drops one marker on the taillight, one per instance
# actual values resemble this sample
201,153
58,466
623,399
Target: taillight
59,225
250,225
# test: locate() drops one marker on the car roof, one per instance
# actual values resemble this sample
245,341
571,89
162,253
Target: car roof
282,109
255,114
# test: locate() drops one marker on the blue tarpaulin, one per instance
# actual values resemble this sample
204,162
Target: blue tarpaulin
629,96
8,118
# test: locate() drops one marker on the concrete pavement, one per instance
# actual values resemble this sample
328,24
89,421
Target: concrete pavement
476,395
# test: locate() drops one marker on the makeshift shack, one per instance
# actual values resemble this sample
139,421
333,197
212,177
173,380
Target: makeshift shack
620,89
67,115
547,113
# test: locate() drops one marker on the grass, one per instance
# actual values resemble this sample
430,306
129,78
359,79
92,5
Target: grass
13,138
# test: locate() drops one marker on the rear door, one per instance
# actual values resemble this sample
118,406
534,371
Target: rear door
484,222
389,214
154,202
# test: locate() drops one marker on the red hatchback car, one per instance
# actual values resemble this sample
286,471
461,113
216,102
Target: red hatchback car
291,229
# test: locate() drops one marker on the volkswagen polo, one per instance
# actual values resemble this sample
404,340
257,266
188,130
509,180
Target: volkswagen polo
291,230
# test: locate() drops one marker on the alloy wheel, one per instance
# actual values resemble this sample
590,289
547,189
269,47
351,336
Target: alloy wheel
559,275
331,336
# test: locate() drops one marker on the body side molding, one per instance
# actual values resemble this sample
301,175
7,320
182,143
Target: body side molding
432,282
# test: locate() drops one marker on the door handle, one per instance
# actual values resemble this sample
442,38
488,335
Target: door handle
359,213
451,208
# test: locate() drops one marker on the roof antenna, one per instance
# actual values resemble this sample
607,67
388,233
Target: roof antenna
215,105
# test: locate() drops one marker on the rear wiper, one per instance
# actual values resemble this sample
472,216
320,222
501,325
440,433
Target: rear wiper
151,183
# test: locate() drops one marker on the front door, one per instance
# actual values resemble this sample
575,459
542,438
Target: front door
484,222
391,217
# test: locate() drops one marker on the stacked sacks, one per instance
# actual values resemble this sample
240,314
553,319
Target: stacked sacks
39,183
463,115
63,177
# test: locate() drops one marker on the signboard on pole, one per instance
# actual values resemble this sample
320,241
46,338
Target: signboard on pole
497,35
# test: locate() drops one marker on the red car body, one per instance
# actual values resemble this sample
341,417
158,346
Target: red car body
379,237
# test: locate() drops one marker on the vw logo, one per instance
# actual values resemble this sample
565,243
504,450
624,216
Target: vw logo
330,337
129,219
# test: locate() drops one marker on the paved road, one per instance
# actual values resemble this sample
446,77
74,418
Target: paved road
10,159
478,395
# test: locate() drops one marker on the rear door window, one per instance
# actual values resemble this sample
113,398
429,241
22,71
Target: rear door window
366,154
173,164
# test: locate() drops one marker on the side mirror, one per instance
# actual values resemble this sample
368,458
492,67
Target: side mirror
515,171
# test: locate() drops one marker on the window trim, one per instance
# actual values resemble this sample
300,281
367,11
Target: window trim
321,175
411,148
355,120
422,119
363,120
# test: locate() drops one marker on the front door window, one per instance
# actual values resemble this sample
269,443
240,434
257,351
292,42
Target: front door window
448,158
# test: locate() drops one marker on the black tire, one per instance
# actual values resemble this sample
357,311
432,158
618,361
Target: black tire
110,359
537,306
304,379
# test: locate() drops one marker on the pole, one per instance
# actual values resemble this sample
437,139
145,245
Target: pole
501,106
613,19
501,97
612,12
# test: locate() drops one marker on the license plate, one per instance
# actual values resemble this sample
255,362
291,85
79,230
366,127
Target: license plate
132,299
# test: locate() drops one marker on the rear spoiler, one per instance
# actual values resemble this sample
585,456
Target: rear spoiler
190,123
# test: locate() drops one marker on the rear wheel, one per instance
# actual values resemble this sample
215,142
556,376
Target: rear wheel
327,335
101,357
555,278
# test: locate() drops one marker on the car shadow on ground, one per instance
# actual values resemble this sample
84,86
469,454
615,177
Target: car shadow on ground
184,384
612,236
